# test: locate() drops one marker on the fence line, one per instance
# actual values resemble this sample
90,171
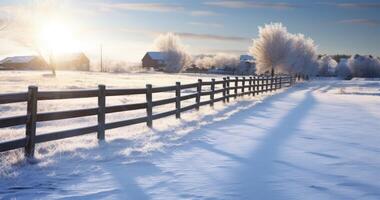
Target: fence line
254,85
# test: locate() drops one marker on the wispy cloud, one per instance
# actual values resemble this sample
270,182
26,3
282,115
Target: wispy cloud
352,5
368,22
189,35
250,4
202,13
358,5
211,37
153,7
215,25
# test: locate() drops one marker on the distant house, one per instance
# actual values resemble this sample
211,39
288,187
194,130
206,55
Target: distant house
23,63
154,60
247,65
74,61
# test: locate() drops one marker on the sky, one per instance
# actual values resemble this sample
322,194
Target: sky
127,29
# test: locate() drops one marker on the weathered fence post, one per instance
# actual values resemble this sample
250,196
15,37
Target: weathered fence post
198,98
281,81
224,89
212,94
254,86
31,121
266,83
271,83
149,106
228,89
250,86
101,111
243,86
236,86
178,100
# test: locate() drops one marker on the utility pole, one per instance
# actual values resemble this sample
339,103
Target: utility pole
101,58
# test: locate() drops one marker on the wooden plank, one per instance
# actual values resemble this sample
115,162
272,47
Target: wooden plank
187,86
212,93
31,121
164,101
208,93
121,92
243,85
236,87
219,99
250,85
254,87
199,91
178,100
219,82
190,107
190,96
123,123
163,89
228,90
65,134
149,105
203,103
219,91
128,107
101,112
12,121
50,116
14,144
224,90
67,94
164,114
13,98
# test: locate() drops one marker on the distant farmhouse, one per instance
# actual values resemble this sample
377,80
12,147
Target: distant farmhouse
23,63
74,61
247,65
77,61
155,60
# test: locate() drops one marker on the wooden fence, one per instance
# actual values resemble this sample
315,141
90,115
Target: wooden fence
231,88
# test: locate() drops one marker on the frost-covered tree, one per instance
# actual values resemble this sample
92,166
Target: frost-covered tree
282,52
364,66
342,69
218,60
327,66
176,57
271,48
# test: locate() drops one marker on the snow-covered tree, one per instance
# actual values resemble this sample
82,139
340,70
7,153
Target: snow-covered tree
342,69
176,57
364,66
278,50
327,66
271,48
218,60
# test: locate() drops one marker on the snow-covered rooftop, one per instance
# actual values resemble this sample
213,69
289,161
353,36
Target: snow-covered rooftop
246,58
18,59
156,55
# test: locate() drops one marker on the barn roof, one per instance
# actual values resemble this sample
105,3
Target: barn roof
18,59
156,55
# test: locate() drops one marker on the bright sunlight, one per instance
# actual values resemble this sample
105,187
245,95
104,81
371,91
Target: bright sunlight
57,37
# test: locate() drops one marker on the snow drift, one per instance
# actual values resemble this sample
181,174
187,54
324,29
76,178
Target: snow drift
277,49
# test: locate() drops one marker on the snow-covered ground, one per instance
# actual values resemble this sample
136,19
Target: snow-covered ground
317,140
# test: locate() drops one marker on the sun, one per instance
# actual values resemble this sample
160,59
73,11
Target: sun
57,37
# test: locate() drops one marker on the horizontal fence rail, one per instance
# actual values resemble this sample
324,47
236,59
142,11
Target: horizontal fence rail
228,88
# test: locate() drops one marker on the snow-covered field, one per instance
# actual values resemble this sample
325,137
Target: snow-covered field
317,140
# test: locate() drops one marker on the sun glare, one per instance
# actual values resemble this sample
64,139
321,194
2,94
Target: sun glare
57,37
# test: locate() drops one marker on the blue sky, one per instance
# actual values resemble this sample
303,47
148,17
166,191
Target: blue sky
127,28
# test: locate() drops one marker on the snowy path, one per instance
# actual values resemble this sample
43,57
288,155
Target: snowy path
314,141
